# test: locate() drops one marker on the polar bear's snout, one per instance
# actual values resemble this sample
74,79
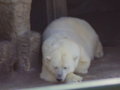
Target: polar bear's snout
60,76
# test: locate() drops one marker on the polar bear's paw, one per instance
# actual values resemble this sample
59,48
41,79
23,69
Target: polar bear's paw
72,78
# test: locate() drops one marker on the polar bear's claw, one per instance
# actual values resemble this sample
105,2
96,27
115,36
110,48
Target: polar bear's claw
73,78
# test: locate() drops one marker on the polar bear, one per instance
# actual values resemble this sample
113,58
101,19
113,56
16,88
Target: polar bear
69,45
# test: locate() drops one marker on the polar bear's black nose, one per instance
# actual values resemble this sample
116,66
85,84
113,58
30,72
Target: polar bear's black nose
59,80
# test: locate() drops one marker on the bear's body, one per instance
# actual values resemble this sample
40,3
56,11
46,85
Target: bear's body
69,45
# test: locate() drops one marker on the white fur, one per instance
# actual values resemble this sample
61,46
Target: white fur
69,45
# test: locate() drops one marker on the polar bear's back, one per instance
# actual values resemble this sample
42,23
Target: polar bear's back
75,29
69,25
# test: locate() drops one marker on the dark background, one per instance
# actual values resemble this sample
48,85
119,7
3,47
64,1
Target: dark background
103,15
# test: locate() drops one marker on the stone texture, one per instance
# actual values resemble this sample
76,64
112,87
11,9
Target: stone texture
18,44
14,14
6,17
7,56
28,46
35,54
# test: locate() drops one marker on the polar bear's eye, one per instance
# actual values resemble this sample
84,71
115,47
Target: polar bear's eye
64,67
75,58
56,67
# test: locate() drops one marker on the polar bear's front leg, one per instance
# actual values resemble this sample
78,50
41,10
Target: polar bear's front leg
46,75
84,63
83,67
73,78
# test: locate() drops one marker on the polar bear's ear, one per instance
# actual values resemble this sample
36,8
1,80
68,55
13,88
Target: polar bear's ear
75,58
48,58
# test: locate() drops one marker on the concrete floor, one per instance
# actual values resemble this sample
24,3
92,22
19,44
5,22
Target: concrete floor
106,67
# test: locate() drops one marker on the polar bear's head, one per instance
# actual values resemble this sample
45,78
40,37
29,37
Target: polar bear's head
61,58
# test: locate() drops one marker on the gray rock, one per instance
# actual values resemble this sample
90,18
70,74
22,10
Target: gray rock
19,46
14,17
28,50
7,56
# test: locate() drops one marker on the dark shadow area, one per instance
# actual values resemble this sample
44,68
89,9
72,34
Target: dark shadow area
38,15
103,15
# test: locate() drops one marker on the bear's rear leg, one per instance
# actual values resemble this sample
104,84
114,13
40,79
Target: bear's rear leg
99,50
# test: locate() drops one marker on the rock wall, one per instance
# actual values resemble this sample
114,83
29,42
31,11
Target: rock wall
19,46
